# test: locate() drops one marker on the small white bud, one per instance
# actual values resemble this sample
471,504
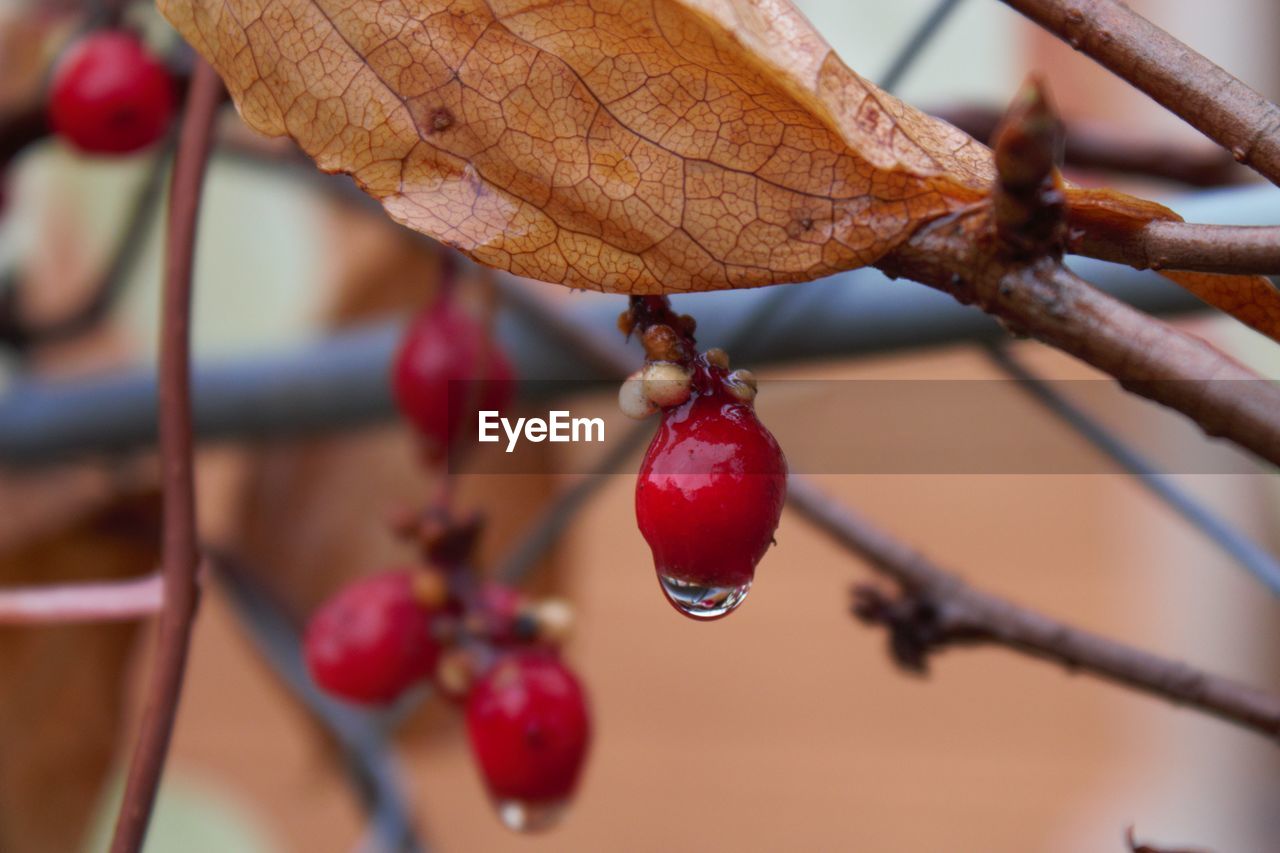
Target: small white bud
742,384
632,400
554,619
667,384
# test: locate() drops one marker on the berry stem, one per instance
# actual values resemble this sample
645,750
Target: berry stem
179,555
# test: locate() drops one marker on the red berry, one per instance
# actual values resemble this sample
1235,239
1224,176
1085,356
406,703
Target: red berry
372,640
529,728
442,350
109,95
709,497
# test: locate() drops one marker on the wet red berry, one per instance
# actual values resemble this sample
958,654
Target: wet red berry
442,349
372,640
529,728
709,496
109,95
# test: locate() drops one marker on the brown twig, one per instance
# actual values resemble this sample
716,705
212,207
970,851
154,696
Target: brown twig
937,609
109,601
1102,149
1184,82
1235,249
179,553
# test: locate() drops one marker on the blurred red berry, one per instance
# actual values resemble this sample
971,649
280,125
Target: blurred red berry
109,95
372,640
442,350
529,728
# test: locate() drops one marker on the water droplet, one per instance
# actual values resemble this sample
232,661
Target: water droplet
522,816
703,602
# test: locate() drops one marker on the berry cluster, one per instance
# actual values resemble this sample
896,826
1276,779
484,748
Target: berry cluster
481,644
711,487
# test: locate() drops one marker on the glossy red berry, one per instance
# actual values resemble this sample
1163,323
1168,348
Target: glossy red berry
109,95
529,728
372,640
442,350
709,496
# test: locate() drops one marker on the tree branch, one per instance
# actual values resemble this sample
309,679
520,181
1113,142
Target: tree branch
1005,256
111,601
1184,82
1233,249
937,609
1148,357
179,546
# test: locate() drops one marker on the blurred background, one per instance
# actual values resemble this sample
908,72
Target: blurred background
784,727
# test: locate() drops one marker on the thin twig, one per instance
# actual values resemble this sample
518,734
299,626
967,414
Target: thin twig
1098,148
179,552
938,609
1180,79
1248,554
919,40
56,604
1234,249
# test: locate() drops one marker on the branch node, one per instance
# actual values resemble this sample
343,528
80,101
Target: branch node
915,631
1030,200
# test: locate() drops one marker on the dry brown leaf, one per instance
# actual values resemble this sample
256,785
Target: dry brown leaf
677,145
637,147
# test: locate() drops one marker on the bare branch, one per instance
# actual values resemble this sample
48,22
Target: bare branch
1184,82
937,609
1234,249
179,553
136,598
